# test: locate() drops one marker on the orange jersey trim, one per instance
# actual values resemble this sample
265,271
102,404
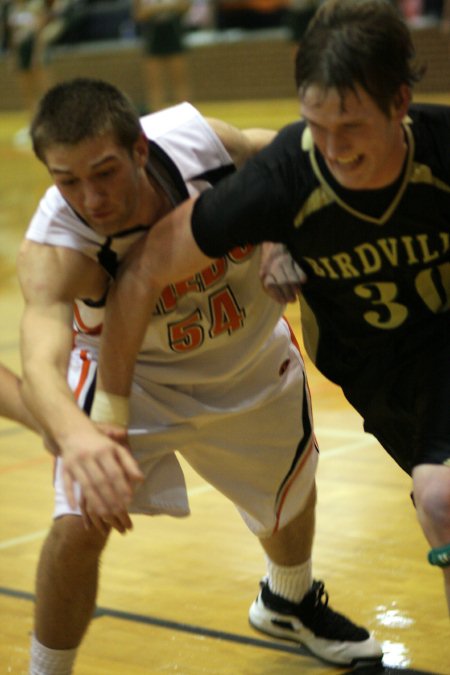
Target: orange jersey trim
305,456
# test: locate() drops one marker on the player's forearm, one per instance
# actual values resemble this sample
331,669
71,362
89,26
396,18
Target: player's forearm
166,255
126,317
129,308
45,344
51,402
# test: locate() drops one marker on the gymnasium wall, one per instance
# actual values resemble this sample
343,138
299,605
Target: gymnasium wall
228,66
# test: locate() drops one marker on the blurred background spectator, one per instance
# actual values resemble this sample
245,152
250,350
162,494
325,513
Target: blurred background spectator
30,28
411,9
446,16
161,28
298,15
251,14
423,11
25,22
33,31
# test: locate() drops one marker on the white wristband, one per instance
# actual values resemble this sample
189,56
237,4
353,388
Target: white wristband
110,408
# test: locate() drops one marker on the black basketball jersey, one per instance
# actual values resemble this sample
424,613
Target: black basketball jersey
377,261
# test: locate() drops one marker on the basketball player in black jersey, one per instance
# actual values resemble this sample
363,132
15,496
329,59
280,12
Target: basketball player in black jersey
358,192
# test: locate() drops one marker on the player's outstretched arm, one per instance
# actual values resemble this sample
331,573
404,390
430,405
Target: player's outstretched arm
167,254
51,278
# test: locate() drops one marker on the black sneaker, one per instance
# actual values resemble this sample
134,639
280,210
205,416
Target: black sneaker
325,633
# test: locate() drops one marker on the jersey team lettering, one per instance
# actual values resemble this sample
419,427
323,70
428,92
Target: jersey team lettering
389,309
225,313
368,258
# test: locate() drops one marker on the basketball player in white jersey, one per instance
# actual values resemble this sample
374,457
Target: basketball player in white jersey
219,376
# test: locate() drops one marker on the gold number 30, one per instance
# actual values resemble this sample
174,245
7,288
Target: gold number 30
432,286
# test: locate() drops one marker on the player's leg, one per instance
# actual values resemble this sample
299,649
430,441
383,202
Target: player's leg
292,606
292,544
267,468
67,574
66,589
289,552
408,415
431,472
432,500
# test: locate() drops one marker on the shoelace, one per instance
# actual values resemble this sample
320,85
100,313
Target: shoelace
321,594
325,620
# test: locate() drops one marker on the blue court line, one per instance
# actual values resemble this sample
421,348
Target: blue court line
219,635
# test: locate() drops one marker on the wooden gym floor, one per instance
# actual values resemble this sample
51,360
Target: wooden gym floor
174,594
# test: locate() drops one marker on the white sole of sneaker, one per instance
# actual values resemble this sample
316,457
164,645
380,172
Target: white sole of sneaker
291,629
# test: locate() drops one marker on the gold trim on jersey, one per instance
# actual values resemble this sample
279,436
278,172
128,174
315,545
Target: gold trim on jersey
324,195
310,329
316,201
421,173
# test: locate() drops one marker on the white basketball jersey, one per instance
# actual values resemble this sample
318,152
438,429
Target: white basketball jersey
208,328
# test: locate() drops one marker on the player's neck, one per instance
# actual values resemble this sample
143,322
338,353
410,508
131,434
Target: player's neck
155,202
394,168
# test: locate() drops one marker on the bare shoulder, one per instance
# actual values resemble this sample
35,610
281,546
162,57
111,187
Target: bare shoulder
241,144
58,273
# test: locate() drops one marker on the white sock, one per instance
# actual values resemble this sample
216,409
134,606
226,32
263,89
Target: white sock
292,583
45,661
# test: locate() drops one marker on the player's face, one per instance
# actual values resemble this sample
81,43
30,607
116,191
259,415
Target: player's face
101,181
362,147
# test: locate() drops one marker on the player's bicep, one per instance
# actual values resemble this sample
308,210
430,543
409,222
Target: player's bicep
241,144
242,209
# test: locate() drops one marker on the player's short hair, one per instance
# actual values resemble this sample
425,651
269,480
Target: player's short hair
357,42
83,108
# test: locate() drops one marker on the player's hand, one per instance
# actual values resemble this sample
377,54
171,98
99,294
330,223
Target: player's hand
105,470
114,431
280,275
120,522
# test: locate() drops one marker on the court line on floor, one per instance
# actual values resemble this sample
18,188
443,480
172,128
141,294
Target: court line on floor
24,539
202,631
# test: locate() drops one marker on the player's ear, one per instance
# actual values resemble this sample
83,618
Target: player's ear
140,150
401,101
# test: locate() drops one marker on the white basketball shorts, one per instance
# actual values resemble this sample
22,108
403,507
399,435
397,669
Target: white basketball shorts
251,438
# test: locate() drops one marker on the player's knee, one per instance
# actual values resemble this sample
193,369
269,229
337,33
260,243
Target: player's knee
434,504
69,537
